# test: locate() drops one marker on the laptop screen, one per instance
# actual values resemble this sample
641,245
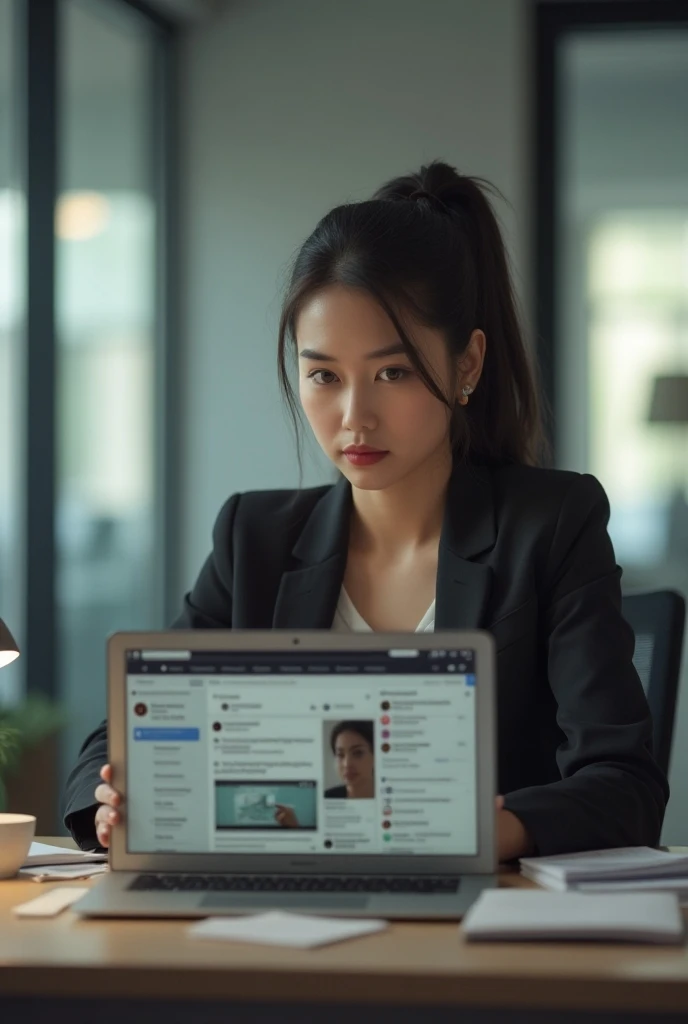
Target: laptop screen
355,752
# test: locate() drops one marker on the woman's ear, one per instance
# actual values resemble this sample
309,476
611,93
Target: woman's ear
470,366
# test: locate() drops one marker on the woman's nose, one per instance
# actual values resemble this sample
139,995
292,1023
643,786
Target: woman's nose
358,414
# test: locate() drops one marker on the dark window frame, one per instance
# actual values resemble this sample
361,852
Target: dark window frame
553,23
38,49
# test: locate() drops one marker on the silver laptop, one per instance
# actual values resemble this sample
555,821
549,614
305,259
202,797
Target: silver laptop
323,773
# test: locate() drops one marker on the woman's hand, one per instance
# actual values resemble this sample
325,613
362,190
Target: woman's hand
286,817
513,840
109,799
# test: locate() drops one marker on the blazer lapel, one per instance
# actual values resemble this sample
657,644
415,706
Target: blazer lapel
463,586
308,594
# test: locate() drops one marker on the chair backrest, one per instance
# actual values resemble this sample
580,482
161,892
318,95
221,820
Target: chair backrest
658,619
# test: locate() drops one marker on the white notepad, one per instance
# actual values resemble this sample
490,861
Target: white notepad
512,914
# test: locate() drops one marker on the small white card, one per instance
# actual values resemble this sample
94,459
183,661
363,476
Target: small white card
277,928
50,904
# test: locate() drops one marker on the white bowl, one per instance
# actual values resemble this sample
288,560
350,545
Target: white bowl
16,835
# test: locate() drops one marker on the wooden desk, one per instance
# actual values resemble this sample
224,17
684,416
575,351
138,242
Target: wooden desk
67,967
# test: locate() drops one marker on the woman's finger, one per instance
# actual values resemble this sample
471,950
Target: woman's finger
103,834
106,816
105,794
106,773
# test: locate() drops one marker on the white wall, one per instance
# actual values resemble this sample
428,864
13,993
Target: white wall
290,109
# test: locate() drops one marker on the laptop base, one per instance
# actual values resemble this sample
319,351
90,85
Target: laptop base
110,897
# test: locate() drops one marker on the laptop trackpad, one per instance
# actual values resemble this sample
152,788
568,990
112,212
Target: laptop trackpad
272,900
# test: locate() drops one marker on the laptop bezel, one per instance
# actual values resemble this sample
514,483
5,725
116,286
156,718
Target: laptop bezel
483,862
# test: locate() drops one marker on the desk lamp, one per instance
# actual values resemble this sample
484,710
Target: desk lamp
8,646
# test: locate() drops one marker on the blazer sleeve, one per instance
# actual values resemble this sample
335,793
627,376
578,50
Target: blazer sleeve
207,606
612,792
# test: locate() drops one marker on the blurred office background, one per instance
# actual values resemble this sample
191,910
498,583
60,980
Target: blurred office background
159,164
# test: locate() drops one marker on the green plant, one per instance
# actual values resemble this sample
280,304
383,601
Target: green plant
23,726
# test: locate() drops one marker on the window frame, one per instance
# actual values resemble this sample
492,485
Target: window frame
38,49
553,22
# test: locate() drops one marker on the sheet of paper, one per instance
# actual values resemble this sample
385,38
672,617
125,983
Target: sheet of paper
507,914
281,929
42,853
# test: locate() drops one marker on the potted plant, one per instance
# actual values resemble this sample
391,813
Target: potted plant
28,745
9,746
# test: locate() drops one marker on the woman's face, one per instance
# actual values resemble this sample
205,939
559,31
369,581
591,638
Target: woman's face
355,760
369,410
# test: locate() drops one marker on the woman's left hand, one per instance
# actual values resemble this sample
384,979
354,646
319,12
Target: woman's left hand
285,816
513,840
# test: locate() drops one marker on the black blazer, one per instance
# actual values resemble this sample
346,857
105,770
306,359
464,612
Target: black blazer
524,553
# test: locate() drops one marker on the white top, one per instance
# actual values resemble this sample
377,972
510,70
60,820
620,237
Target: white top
347,619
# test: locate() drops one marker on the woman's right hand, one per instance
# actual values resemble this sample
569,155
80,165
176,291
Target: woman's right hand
110,800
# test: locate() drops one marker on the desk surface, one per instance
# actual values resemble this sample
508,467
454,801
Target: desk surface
417,964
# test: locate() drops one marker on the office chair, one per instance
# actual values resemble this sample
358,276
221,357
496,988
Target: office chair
657,619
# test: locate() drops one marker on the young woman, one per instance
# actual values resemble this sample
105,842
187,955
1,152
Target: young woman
415,380
353,745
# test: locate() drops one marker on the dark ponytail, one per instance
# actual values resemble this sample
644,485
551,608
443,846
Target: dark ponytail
429,244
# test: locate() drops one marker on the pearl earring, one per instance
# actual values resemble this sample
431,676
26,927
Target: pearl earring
466,390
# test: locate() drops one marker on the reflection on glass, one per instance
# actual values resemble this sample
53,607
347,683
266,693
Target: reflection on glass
105,238
11,327
637,284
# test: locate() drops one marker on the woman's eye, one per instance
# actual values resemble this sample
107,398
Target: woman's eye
322,376
394,374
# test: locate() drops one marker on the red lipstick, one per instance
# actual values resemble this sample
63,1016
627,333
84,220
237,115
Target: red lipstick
363,454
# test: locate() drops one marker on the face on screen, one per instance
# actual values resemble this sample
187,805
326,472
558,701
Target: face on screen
355,763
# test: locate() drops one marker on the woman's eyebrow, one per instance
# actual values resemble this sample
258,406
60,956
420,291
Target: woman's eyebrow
321,357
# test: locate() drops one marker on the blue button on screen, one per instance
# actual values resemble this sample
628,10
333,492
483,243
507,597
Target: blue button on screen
169,735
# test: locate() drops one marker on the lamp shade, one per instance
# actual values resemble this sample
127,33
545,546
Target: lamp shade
8,646
669,402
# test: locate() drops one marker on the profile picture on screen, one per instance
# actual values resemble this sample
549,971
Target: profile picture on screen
349,759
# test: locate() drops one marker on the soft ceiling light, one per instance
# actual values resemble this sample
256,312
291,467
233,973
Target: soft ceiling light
81,215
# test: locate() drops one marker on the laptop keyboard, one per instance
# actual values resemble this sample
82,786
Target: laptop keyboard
299,883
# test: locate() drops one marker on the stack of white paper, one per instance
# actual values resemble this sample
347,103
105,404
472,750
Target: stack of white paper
526,914
629,869
62,872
